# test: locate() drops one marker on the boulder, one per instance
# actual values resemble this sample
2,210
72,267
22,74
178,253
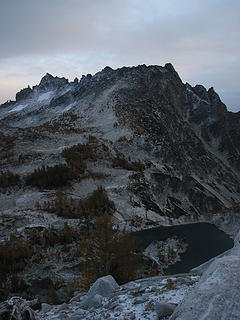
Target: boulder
45,307
104,286
140,300
164,309
24,94
92,302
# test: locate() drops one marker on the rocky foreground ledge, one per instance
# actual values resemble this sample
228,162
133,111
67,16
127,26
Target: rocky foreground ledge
216,296
183,297
149,298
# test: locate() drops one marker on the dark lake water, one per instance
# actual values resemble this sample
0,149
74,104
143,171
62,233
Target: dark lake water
204,240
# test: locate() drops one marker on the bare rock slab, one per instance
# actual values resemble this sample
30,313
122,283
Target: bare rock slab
216,296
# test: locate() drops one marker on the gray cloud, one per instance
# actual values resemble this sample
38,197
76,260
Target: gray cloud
68,38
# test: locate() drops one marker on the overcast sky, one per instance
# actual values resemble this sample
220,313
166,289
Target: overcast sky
201,38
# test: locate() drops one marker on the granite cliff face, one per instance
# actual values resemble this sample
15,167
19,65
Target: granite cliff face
184,137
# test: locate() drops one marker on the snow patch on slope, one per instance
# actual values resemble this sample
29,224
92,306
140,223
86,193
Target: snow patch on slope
18,108
67,108
45,96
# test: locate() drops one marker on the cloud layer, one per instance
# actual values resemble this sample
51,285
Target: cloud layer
68,38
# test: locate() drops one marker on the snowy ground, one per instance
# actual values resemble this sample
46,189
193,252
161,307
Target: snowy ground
134,300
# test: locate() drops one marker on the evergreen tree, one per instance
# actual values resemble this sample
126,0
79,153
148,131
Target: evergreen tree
106,252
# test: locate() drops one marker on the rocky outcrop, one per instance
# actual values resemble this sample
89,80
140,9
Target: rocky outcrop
24,94
216,296
48,82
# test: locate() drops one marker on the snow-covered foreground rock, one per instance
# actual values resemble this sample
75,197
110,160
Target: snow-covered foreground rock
216,296
140,299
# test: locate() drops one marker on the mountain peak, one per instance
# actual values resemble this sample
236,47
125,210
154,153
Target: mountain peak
24,94
107,69
48,76
169,67
50,81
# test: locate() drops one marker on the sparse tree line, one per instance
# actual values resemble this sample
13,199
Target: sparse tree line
51,177
9,179
121,162
60,175
85,151
14,254
103,251
51,236
106,251
6,148
18,253
65,123
68,207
